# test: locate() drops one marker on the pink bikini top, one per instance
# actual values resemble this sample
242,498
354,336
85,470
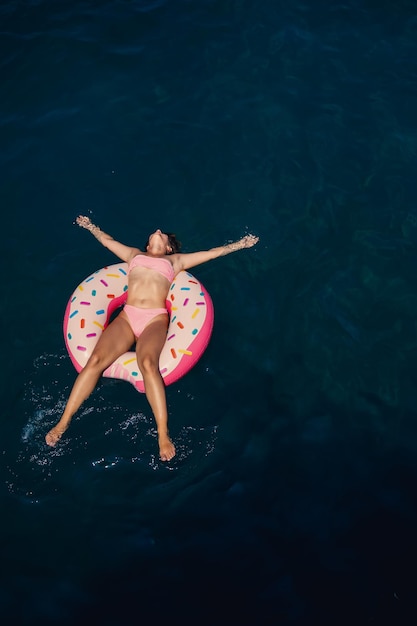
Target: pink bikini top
163,266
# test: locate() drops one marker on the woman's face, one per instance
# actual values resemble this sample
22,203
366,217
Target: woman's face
159,240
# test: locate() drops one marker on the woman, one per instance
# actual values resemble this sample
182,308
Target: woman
144,320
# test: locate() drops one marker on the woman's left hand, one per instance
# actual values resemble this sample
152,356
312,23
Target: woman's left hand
248,241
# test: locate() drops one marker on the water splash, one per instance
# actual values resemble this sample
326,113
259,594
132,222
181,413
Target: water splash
103,437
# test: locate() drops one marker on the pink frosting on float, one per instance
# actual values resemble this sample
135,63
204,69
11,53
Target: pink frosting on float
188,334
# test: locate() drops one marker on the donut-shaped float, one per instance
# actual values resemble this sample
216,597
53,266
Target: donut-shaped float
93,302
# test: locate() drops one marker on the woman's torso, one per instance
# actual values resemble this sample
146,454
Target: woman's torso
148,284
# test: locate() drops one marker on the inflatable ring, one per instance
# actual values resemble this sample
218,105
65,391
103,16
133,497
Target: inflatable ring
93,302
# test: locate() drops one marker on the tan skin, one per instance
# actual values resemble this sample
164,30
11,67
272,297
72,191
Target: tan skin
146,289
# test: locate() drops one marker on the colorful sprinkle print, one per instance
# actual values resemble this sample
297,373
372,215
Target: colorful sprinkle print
104,292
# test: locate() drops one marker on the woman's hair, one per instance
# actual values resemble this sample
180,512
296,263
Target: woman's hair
173,242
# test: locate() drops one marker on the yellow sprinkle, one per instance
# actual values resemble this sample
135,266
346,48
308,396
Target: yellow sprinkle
174,308
195,313
80,287
99,325
187,352
129,361
113,275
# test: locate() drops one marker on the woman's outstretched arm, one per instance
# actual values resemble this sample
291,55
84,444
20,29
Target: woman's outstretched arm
119,249
187,261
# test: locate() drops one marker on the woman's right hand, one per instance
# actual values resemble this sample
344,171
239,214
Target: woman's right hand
84,222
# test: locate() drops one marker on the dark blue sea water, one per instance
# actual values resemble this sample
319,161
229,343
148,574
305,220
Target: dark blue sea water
293,497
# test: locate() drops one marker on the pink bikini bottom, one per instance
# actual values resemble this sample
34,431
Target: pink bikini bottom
139,318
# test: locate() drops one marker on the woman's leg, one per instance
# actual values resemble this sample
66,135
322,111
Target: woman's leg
148,350
115,340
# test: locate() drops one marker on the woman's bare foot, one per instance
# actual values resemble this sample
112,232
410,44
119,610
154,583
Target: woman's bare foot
166,448
54,436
